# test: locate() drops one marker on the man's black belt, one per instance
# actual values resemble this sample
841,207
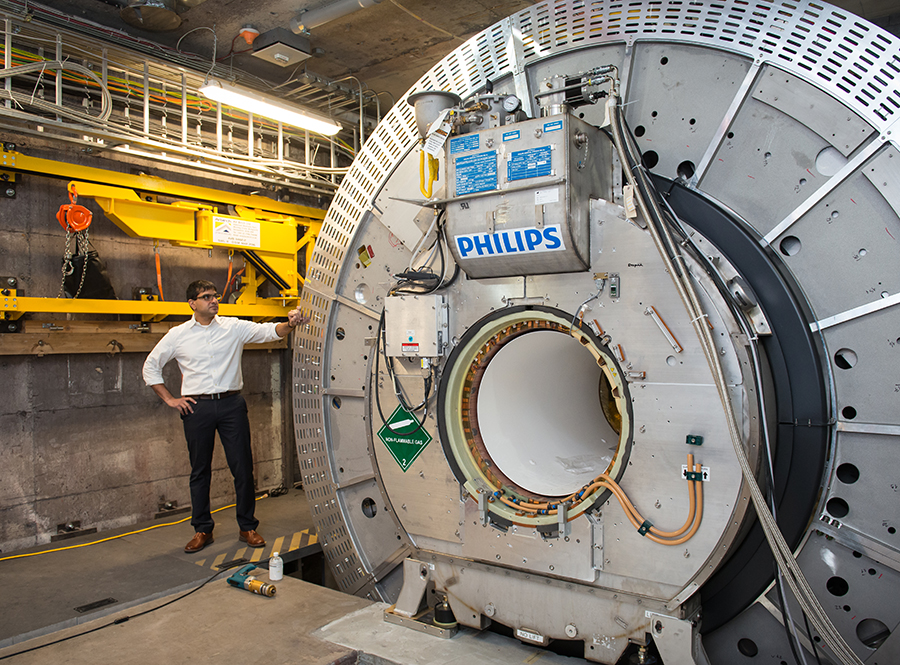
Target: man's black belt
216,395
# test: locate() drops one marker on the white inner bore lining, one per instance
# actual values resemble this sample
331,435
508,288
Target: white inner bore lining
539,414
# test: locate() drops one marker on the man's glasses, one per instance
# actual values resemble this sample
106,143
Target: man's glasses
209,296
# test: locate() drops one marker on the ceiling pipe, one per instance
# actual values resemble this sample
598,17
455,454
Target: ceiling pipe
313,18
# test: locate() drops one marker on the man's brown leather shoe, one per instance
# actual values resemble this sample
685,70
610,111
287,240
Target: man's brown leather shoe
198,542
252,538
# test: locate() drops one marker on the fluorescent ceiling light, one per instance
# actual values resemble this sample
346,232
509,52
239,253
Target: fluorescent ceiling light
257,104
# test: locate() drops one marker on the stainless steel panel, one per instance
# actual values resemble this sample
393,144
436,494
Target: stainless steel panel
755,628
415,326
425,496
857,593
350,462
392,206
842,250
558,197
525,549
664,415
867,390
811,106
374,529
882,172
672,106
867,484
766,166
346,355
540,604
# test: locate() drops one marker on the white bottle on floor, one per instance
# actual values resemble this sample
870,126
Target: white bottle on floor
276,567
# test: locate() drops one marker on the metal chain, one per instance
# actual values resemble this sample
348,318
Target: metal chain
82,241
67,262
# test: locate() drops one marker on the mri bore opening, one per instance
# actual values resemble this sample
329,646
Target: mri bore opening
540,414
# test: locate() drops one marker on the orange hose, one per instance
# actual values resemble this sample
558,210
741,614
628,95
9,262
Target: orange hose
691,510
695,512
159,277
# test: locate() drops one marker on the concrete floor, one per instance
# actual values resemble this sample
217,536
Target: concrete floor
303,624
41,593
380,643
162,621
217,624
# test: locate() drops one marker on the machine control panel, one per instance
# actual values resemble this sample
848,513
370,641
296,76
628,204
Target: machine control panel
416,326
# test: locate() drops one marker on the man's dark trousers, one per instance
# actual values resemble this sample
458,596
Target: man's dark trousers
229,417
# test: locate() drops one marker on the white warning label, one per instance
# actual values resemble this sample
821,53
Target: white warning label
231,231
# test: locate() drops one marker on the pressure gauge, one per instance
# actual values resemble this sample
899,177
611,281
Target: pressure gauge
511,103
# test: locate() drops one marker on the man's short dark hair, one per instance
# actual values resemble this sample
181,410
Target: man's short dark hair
194,289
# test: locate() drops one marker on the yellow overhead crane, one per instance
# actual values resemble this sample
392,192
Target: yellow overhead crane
263,230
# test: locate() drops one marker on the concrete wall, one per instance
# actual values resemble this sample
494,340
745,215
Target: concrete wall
81,436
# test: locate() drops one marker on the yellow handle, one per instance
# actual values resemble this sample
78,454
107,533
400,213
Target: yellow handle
426,182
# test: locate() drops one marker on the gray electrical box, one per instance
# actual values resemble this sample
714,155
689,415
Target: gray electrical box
415,326
519,196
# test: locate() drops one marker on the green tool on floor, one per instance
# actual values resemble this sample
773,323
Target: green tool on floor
243,580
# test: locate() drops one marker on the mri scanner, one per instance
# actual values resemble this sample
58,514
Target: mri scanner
605,345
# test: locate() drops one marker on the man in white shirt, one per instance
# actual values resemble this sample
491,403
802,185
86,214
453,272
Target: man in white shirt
208,351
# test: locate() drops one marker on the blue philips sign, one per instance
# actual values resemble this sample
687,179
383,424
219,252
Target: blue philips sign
528,240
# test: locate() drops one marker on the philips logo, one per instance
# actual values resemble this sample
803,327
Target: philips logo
529,240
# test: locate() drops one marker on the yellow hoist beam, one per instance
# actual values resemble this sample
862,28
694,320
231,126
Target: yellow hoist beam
12,307
263,229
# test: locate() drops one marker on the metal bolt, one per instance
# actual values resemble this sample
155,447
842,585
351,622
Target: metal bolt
11,281
571,630
10,192
490,610
552,568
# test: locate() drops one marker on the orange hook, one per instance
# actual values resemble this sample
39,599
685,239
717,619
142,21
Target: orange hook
73,217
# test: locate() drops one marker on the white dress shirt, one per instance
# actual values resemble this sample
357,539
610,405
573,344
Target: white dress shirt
209,356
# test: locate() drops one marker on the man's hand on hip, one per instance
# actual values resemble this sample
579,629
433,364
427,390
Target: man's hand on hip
183,404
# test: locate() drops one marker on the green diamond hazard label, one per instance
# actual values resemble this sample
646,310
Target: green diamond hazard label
403,437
